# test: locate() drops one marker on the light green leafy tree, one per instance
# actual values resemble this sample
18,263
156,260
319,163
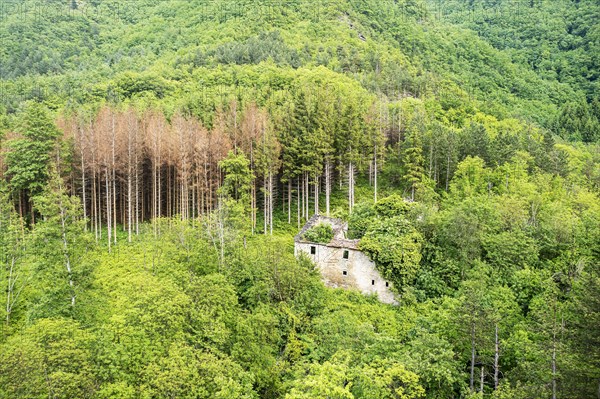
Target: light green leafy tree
61,240
51,358
29,155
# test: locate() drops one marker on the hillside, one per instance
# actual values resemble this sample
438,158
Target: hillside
390,48
157,158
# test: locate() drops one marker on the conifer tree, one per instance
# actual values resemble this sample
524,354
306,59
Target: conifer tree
413,159
28,155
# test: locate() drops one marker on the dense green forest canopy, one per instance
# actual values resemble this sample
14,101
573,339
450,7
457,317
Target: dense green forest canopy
157,158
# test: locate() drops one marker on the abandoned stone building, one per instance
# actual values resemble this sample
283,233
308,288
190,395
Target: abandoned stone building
341,263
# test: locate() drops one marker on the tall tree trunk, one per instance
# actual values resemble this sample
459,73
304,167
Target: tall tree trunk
137,194
317,195
350,186
303,195
83,192
327,187
553,365
482,378
9,289
289,201
472,379
129,187
65,248
159,185
448,171
129,205
11,296
375,175
114,205
265,204
113,177
221,237
271,202
253,205
99,202
108,209
431,152
307,193
94,205
496,357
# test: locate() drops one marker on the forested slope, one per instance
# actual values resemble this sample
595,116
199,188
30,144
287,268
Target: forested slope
158,157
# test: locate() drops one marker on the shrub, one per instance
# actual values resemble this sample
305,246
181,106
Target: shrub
322,233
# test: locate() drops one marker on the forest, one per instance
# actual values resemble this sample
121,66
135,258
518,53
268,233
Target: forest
157,159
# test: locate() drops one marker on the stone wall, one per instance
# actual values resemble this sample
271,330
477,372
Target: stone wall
356,272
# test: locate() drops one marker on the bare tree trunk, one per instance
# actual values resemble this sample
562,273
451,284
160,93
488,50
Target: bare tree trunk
99,202
431,158
350,186
108,209
83,189
482,379
253,205
159,188
554,365
289,202
113,177
265,205
271,201
9,289
94,205
327,187
317,195
496,357
137,198
472,379
221,238
303,195
298,197
66,248
307,194
375,175
11,297
448,171
304,213
129,204
114,205
122,207
129,186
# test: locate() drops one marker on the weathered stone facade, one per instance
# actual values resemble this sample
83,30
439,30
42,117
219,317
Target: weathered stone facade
341,264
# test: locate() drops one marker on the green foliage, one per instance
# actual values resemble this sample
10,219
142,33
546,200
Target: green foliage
340,378
395,246
392,206
187,372
63,246
360,219
486,115
579,122
52,357
238,177
387,380
28,157
551,37
413,159
321,233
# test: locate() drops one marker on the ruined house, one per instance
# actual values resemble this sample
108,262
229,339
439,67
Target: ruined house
341,263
